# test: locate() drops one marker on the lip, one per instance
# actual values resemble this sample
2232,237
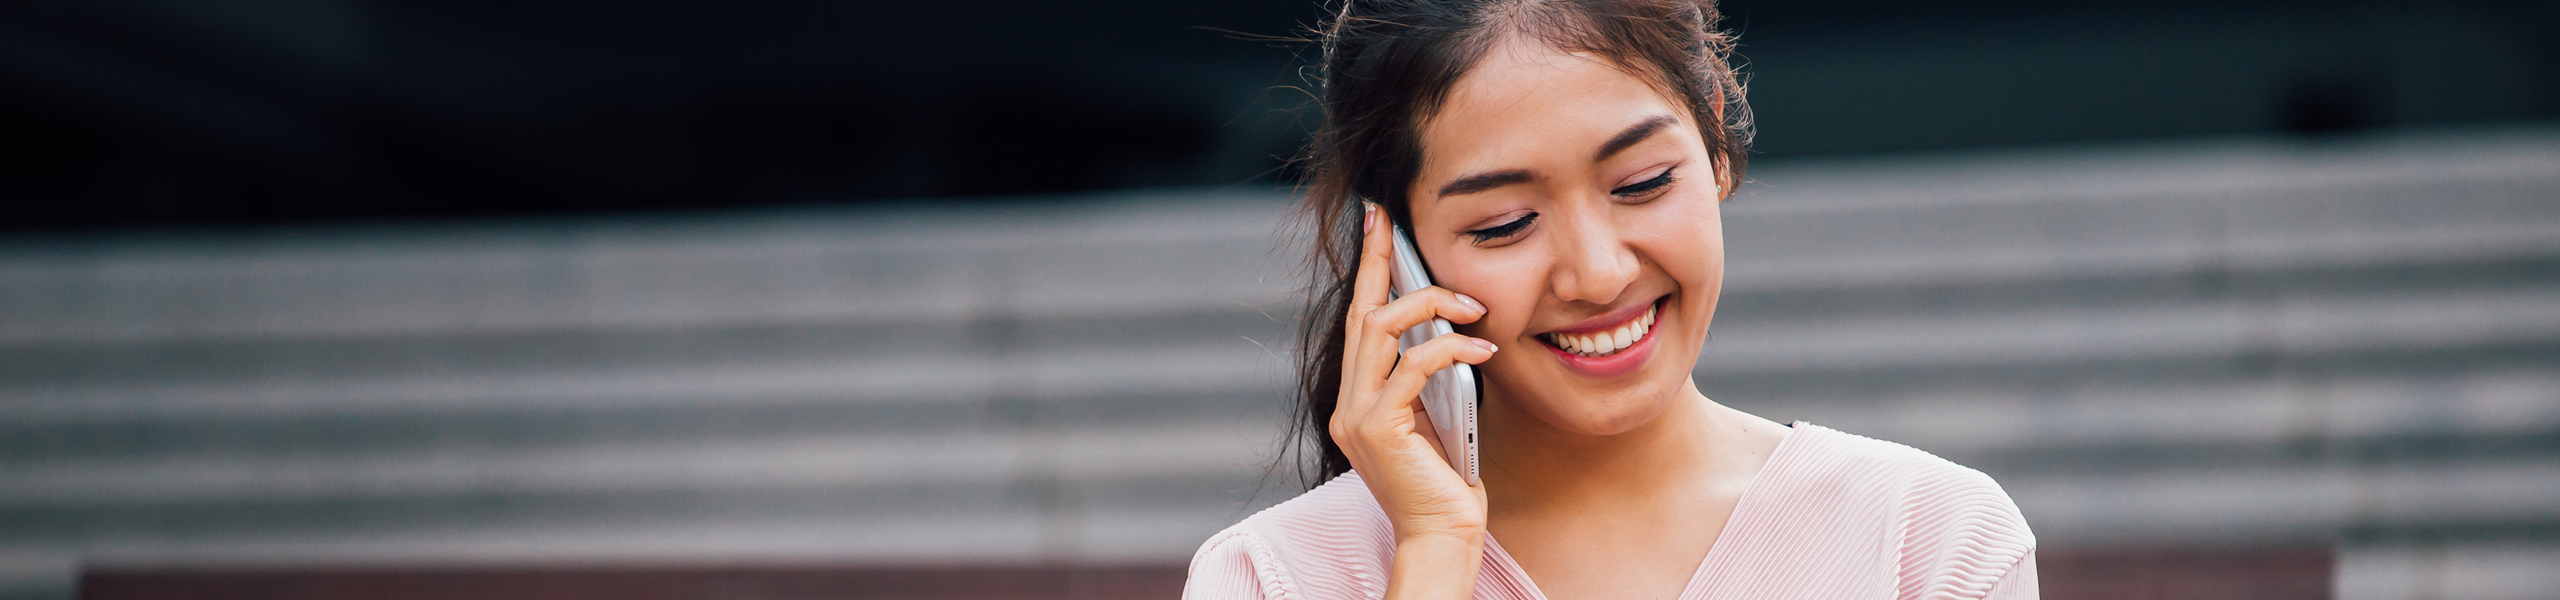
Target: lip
1605,322
1614,365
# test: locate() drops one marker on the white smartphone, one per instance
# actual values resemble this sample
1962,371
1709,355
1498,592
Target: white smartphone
1450,396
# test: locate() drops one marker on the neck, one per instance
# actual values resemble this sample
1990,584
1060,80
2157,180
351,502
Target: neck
1533,466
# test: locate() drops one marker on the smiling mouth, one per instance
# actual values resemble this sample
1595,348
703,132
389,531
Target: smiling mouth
1605,343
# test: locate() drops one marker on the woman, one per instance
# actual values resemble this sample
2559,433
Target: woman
1560,164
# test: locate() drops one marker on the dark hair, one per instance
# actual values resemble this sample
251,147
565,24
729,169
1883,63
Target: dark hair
1387,65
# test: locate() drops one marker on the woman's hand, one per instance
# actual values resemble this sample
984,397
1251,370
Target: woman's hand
1380,425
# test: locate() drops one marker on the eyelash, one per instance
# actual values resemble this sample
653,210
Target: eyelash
1647,186
1520,224
1504,230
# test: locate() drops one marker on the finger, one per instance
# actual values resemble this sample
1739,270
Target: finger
1400,408
1403,390
1368,293
1370,284
1386,324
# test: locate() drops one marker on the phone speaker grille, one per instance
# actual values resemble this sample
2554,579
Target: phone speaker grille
1472,444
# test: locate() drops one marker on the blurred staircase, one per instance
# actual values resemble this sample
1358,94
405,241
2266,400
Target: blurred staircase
1066,382
2248,343
2225,343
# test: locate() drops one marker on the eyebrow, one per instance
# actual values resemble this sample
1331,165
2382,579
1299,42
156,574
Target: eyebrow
1485,181
1636,133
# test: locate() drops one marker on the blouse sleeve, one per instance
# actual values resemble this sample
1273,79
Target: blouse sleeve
2019,584
1964,539
1235,566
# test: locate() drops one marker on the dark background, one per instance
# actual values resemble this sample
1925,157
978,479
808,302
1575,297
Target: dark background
151,113
365,298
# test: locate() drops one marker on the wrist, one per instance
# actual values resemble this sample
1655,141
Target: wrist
1470,539
1461,524
1451,537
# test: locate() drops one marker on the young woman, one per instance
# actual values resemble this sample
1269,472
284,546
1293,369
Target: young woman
1560,164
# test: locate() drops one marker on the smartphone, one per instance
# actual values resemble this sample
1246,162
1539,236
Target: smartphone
1450,397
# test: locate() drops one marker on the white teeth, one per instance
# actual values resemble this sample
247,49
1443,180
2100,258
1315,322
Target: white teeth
1607,342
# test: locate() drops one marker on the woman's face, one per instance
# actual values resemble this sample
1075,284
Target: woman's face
1575,201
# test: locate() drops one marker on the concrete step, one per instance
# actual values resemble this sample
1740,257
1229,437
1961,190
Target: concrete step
2208,342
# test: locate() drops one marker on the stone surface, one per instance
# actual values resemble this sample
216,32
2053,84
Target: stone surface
2242,343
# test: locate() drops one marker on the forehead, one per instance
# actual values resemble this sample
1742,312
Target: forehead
1526,103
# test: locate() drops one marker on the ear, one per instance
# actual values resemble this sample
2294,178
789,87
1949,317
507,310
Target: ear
1715,103
1724,170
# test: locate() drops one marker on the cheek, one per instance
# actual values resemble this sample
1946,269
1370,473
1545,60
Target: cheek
1687,242
1509,291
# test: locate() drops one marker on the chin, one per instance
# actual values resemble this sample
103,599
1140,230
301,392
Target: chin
1584,411
1618,412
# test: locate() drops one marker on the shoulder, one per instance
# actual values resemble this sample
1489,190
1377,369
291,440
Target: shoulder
1887,470
1331,542
1953,530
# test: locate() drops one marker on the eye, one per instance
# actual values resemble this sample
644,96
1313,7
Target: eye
1646,187
1512,228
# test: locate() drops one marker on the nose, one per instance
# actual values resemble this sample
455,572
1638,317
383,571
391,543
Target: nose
1593,262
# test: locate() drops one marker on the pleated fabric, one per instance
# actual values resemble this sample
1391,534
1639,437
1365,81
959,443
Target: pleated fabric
1832,515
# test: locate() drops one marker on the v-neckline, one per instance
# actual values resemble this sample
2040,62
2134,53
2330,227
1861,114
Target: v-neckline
1698,578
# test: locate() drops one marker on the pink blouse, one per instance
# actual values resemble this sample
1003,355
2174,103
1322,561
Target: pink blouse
1832,515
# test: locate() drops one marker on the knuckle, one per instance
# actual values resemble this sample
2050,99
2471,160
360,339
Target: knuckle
1417,357
1404,370
1436,357
1378,320
1417,365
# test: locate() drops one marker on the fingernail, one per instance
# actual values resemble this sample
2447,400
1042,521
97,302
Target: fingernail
1368,217
1470,302
1488,346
